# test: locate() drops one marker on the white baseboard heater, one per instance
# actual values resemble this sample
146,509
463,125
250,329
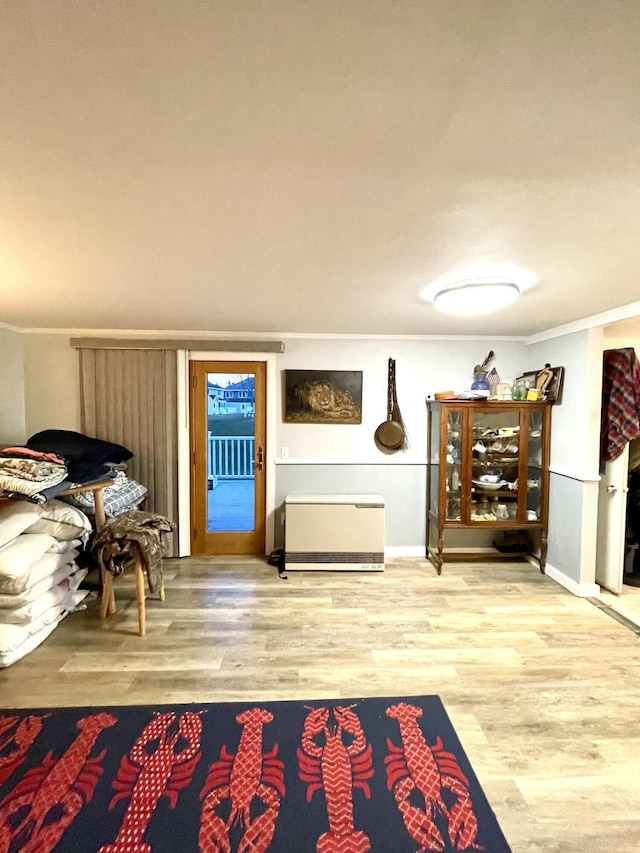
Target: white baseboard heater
334,532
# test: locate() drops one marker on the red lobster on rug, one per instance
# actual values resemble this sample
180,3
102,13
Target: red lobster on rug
15,741
35,814
329,762
161,761
242,779
416,766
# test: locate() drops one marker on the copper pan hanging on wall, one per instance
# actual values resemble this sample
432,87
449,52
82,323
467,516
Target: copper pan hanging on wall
390,435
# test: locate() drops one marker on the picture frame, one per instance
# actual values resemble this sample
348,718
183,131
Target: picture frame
323,396
554,388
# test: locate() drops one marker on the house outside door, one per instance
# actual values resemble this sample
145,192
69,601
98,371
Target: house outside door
227,444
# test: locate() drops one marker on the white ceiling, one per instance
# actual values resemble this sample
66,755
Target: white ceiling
314,165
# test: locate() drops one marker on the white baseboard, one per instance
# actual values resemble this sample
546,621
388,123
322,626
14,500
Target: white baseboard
582,590
405,551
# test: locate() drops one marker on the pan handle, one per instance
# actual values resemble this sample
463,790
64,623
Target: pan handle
392,385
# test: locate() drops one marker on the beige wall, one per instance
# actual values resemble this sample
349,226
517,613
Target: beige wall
52,399
12,416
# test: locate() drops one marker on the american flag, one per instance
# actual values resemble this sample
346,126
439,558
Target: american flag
493,377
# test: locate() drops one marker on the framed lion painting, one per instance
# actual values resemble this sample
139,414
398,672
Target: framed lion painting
323,396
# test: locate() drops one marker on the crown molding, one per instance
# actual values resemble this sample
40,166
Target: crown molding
606,318
10,328
196,336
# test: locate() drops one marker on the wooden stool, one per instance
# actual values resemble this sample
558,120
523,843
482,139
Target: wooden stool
108,606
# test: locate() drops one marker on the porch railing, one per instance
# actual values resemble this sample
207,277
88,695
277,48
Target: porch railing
230,457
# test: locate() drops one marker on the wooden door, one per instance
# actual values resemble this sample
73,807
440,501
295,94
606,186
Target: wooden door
227,430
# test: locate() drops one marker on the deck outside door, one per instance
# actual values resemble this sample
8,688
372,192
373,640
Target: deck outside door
228,418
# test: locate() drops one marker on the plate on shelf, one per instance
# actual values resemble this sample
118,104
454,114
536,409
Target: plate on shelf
490,487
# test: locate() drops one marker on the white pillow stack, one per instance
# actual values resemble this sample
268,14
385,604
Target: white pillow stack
39,577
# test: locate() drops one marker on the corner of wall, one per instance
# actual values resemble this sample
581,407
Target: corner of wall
582,590
12,386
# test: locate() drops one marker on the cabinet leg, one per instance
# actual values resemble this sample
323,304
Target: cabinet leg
427,548
435,557
439,557
543,551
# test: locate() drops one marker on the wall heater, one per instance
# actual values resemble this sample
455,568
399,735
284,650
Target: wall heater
334,532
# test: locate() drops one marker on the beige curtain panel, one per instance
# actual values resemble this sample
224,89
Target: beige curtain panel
129,396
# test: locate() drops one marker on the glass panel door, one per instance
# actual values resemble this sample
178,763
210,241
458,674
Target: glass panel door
534,469
454,466
231,408
495,462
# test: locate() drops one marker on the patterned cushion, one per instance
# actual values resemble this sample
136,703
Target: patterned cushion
116,500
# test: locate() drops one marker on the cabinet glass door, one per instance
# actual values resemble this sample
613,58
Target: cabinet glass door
454,466
534,468
495,458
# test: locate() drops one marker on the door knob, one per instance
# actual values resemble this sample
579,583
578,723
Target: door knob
612,489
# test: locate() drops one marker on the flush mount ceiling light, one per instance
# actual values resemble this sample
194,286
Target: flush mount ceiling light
467,298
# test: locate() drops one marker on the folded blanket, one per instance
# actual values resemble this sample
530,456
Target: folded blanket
62,521
19,560
15,518
29,453
35,470
18,640
39,497
77,447
25,475
62,546
30,611
66,572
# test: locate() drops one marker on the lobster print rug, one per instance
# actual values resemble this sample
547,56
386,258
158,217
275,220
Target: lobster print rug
335,776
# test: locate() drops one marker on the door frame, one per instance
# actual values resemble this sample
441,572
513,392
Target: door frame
184,458
612,523
205,540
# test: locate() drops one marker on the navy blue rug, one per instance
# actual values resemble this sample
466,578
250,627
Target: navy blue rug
337,776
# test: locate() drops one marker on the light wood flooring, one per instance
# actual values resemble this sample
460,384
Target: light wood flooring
627,603
542,687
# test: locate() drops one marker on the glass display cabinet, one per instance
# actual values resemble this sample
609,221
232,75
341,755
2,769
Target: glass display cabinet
487,468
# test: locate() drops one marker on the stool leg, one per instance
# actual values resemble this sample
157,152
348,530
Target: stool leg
162,593
112,598
140,594
108,604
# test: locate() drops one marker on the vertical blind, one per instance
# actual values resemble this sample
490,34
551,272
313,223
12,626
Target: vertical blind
130,397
